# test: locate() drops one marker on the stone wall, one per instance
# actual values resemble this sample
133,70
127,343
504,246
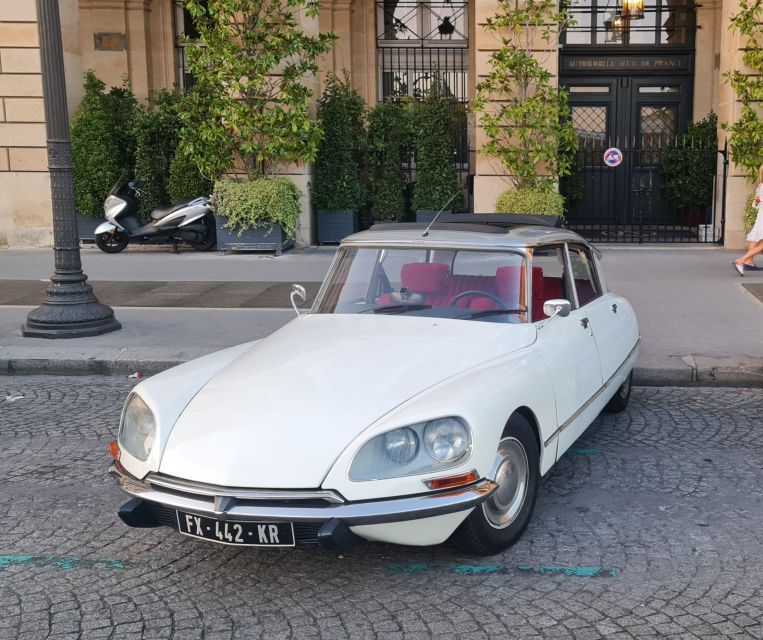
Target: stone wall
25,209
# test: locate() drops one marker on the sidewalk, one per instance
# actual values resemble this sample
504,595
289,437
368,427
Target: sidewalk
699,325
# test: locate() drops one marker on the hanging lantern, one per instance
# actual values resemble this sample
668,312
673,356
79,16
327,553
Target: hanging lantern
633,9
615,25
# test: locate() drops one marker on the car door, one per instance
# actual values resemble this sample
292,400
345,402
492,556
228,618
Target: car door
611,317
566,345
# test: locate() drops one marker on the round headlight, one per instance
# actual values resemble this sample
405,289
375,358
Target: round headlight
401,445
138,428
446,439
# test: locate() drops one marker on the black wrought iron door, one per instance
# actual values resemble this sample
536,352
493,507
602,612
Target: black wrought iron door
640,116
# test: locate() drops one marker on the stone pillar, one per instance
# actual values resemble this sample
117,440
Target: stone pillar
490,175
25,203
739,188
138,29
707,77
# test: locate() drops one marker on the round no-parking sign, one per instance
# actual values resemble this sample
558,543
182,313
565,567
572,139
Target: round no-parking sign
613,157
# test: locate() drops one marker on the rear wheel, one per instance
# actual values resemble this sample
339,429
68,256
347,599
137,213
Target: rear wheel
112,242
210,235
619,401
502,519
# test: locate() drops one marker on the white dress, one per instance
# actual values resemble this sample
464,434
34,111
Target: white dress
756,233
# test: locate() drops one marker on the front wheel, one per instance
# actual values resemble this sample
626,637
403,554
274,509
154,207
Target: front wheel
209,238
503,517
112,242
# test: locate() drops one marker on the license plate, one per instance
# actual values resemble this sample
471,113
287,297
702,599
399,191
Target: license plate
248,534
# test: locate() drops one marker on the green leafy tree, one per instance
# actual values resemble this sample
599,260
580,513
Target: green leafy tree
250,104
525,116
436,179
389,145
185,180
746,134
339,164
688,166
103,144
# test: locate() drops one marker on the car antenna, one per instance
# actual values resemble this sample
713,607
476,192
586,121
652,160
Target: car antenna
437,215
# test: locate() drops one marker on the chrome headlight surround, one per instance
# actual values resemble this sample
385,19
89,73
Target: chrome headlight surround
137,430
424,447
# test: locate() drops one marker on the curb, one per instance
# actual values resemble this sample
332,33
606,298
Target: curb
671,371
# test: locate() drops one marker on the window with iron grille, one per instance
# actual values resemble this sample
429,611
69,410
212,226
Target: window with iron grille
184,26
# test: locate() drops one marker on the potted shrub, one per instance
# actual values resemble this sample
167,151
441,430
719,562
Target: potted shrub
103,148
532,202
260,214
388,148
338,191
249,112
437,184
687,170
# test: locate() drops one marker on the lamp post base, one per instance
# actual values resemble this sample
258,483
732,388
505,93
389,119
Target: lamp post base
69,310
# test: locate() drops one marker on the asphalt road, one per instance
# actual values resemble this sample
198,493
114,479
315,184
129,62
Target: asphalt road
651,527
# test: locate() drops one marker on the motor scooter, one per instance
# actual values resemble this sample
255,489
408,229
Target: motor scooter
190,221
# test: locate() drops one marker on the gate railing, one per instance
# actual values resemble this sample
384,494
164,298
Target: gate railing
640,199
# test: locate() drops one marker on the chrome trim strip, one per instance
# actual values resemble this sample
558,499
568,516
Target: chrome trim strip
210,490
351,513
574,416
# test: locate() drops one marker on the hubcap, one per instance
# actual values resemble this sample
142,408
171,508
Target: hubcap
512,472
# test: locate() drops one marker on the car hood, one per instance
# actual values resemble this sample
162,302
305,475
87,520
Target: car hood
279,414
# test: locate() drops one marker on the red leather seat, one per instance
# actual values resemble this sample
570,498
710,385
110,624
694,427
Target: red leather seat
429,279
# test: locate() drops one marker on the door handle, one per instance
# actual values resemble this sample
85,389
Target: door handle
584,322
614,308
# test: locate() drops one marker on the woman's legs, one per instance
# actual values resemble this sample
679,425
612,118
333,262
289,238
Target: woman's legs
755,248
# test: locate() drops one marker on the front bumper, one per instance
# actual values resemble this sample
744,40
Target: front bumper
317,507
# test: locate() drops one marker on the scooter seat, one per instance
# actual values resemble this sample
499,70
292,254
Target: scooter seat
158,214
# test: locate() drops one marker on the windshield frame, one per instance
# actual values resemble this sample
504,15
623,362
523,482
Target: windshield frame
522,252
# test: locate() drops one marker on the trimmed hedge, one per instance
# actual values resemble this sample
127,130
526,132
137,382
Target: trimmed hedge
750,214
389,142
534,201
263,202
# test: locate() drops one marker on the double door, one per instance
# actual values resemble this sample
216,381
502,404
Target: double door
641,116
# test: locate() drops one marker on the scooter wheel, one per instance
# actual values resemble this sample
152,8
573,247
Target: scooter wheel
210,235
112,242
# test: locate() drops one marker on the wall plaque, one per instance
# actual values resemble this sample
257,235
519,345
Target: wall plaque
110,42
634,63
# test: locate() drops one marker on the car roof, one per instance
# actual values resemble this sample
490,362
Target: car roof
463,235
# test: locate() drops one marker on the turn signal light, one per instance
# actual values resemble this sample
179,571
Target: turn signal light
453,481
114,449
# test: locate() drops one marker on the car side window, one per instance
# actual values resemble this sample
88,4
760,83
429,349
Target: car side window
584,274
548,278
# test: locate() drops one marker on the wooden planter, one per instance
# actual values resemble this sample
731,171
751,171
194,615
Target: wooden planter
334,226
86,227
259,239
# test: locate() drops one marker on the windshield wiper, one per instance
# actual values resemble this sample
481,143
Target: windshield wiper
398,308
495,312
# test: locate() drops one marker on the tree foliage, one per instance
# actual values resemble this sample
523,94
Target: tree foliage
524,115
436,179
103,144
250,104
746,134
340,161
389,145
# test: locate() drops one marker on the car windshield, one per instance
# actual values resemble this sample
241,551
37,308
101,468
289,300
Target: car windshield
443,283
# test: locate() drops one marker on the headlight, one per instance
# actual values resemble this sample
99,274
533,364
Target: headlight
396,453
138,429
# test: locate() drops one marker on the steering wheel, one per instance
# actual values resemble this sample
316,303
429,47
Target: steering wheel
483,294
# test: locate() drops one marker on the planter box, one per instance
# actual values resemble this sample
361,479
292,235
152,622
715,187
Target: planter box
424,215
86,227
334,226
260,239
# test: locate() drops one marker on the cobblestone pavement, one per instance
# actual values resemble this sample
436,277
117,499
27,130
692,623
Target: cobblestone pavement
652,526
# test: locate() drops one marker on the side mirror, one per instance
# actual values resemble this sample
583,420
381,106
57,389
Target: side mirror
553,308
298,297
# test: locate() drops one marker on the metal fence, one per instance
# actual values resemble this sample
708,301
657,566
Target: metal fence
643,198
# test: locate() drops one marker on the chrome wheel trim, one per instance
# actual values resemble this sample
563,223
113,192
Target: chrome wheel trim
511,470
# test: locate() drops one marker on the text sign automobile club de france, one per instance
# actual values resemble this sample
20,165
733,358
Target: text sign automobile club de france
613,157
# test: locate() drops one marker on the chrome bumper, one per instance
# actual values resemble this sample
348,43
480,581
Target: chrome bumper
225,507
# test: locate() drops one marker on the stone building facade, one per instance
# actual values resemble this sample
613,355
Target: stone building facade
667,69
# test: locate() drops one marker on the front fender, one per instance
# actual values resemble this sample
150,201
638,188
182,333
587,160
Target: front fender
485,396
105,227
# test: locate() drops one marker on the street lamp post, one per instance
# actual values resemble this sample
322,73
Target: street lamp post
70,308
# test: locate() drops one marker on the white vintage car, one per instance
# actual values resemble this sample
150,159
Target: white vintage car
438,375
